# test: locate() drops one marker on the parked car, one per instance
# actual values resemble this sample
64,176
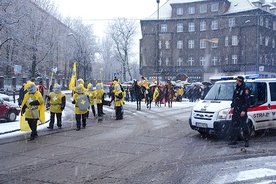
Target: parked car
8,110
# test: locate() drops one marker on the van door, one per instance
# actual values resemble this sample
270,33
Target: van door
260,108
272,103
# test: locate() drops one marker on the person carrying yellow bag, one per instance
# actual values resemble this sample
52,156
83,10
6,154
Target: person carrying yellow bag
33,109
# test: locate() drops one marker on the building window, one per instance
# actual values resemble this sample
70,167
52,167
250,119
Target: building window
234,59
203,8
226,60
167,62
179,11
179,44
191,44
226,41
160,60
191,10
191,61
266,41
214,7
167,44
180,62
202,61
266,23
214,44
179,28
202,43
191,27
261,21
274,26
160,44
215,60
232,22
234,40
261,40
214,25
163,28
203,26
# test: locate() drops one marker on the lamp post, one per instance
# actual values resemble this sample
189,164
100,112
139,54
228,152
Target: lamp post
157,43
257,42
245,63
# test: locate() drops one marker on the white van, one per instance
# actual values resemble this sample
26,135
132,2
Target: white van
211,115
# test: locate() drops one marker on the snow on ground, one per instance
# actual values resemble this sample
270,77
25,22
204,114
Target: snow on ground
8,129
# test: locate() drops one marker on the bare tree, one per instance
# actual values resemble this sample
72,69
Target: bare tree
108,56
123,31
85,48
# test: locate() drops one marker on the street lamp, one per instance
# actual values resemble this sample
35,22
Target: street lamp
245,63
157,43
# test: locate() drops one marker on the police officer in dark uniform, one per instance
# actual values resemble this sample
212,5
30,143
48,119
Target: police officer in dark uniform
239,106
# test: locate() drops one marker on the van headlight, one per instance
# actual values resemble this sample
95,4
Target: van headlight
223,114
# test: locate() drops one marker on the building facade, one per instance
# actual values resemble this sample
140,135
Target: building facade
208,38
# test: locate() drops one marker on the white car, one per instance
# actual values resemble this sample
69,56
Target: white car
5,97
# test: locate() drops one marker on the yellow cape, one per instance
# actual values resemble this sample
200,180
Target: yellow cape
24,126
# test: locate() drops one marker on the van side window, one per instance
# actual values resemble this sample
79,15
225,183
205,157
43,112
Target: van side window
258,93
261,93
272,87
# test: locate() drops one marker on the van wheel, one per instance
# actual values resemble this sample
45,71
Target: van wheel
12,116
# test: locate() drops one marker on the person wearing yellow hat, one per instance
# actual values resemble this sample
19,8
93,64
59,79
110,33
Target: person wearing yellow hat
118,98
57,101
81,102
99,99
92,96
32,108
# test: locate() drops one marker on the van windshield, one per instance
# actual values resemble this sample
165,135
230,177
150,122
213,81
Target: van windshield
221,91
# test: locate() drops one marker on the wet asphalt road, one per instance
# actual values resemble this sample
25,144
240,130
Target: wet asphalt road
147,146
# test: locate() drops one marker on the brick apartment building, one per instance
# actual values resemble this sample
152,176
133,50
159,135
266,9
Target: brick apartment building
207,38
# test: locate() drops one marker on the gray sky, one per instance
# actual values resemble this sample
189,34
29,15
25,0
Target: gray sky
99,12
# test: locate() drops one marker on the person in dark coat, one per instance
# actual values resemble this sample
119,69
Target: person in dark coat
206,89
240,104
22,92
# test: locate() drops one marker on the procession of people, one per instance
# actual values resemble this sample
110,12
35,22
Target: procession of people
35,99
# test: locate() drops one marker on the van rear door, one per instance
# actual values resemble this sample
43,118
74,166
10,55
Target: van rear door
260,109
272,104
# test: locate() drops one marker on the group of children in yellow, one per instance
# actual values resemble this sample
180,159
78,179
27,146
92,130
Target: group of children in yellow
33,105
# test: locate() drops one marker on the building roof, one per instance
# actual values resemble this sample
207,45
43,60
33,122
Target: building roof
235,7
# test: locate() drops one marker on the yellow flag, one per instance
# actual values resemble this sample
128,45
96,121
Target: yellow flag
72,82
74,77
75,68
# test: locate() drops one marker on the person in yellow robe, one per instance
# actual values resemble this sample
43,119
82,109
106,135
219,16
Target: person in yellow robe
57,101
119,101
92,96
80,114
99,99
33,108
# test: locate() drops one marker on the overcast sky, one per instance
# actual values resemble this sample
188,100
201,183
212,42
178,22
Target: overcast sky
98,12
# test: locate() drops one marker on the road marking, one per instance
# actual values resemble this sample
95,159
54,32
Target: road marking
255,173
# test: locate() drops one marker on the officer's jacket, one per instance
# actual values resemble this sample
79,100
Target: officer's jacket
241,98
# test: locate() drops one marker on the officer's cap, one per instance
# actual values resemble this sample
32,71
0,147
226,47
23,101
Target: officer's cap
240,78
